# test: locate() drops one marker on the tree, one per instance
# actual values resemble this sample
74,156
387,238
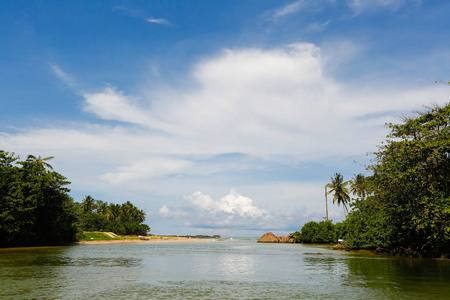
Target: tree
35,206
88,204
113,212
41,160
411,181
323,232
358,186
340,191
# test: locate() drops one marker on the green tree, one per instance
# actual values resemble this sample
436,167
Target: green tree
340,191
113,212
41,160
35,206
369,225
102,207
88,204
358,185
316,232
411,181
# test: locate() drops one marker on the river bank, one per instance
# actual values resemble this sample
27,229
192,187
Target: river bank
154,239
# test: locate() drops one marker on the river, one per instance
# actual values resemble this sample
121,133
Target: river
227,269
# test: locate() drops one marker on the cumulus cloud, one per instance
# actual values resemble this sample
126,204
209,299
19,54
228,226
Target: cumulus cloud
263,103
231,211
260,102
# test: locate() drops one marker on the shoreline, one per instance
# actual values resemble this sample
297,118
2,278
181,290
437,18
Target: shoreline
129,241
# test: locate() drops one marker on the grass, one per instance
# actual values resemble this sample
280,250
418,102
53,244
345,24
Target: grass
96,236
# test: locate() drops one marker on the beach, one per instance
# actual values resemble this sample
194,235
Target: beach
152,240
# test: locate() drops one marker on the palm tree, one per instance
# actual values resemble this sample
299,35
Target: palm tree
102,207
326,200
341,193
40,160
359,185
88,204
113,212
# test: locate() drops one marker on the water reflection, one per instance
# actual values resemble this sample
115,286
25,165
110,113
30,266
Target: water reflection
405,278
221,270
55,272
236,266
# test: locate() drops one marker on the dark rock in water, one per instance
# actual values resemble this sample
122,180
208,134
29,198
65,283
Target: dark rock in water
269,237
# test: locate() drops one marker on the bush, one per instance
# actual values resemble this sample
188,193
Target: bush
323,232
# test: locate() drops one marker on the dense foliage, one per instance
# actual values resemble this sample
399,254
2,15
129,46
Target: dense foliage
122,219
320,232
405,203
36,209
409,202
35,206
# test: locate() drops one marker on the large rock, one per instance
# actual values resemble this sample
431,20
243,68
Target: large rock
285,239
272,238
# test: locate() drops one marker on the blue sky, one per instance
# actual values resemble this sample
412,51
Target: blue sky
215,117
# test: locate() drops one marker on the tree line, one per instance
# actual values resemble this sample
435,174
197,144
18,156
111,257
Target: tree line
36,209
405,202
122,219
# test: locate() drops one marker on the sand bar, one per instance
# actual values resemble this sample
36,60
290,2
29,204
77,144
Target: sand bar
153,240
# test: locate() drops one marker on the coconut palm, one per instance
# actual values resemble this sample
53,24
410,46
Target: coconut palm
88,204
113,212
41,160
358,185
341,193
102,207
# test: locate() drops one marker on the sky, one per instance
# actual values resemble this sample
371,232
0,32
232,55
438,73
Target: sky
216,117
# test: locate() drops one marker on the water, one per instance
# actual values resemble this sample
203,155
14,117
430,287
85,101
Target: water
229,269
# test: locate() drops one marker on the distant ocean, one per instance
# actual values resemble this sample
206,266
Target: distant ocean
223,269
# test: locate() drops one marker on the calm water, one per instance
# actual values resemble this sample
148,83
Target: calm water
229,269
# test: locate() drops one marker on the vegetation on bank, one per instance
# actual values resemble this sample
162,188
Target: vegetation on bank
405,203
323,232
122,219
37,210
96,236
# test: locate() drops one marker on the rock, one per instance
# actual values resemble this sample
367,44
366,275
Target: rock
338,247
285,239
269,237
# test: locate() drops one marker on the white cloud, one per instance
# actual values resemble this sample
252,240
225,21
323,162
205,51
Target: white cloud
233,210
265,103
361,6
290,8
317,26
144,169
165,212
157,21
63,76
261,102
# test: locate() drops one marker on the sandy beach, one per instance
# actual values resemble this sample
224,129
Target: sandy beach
153,240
